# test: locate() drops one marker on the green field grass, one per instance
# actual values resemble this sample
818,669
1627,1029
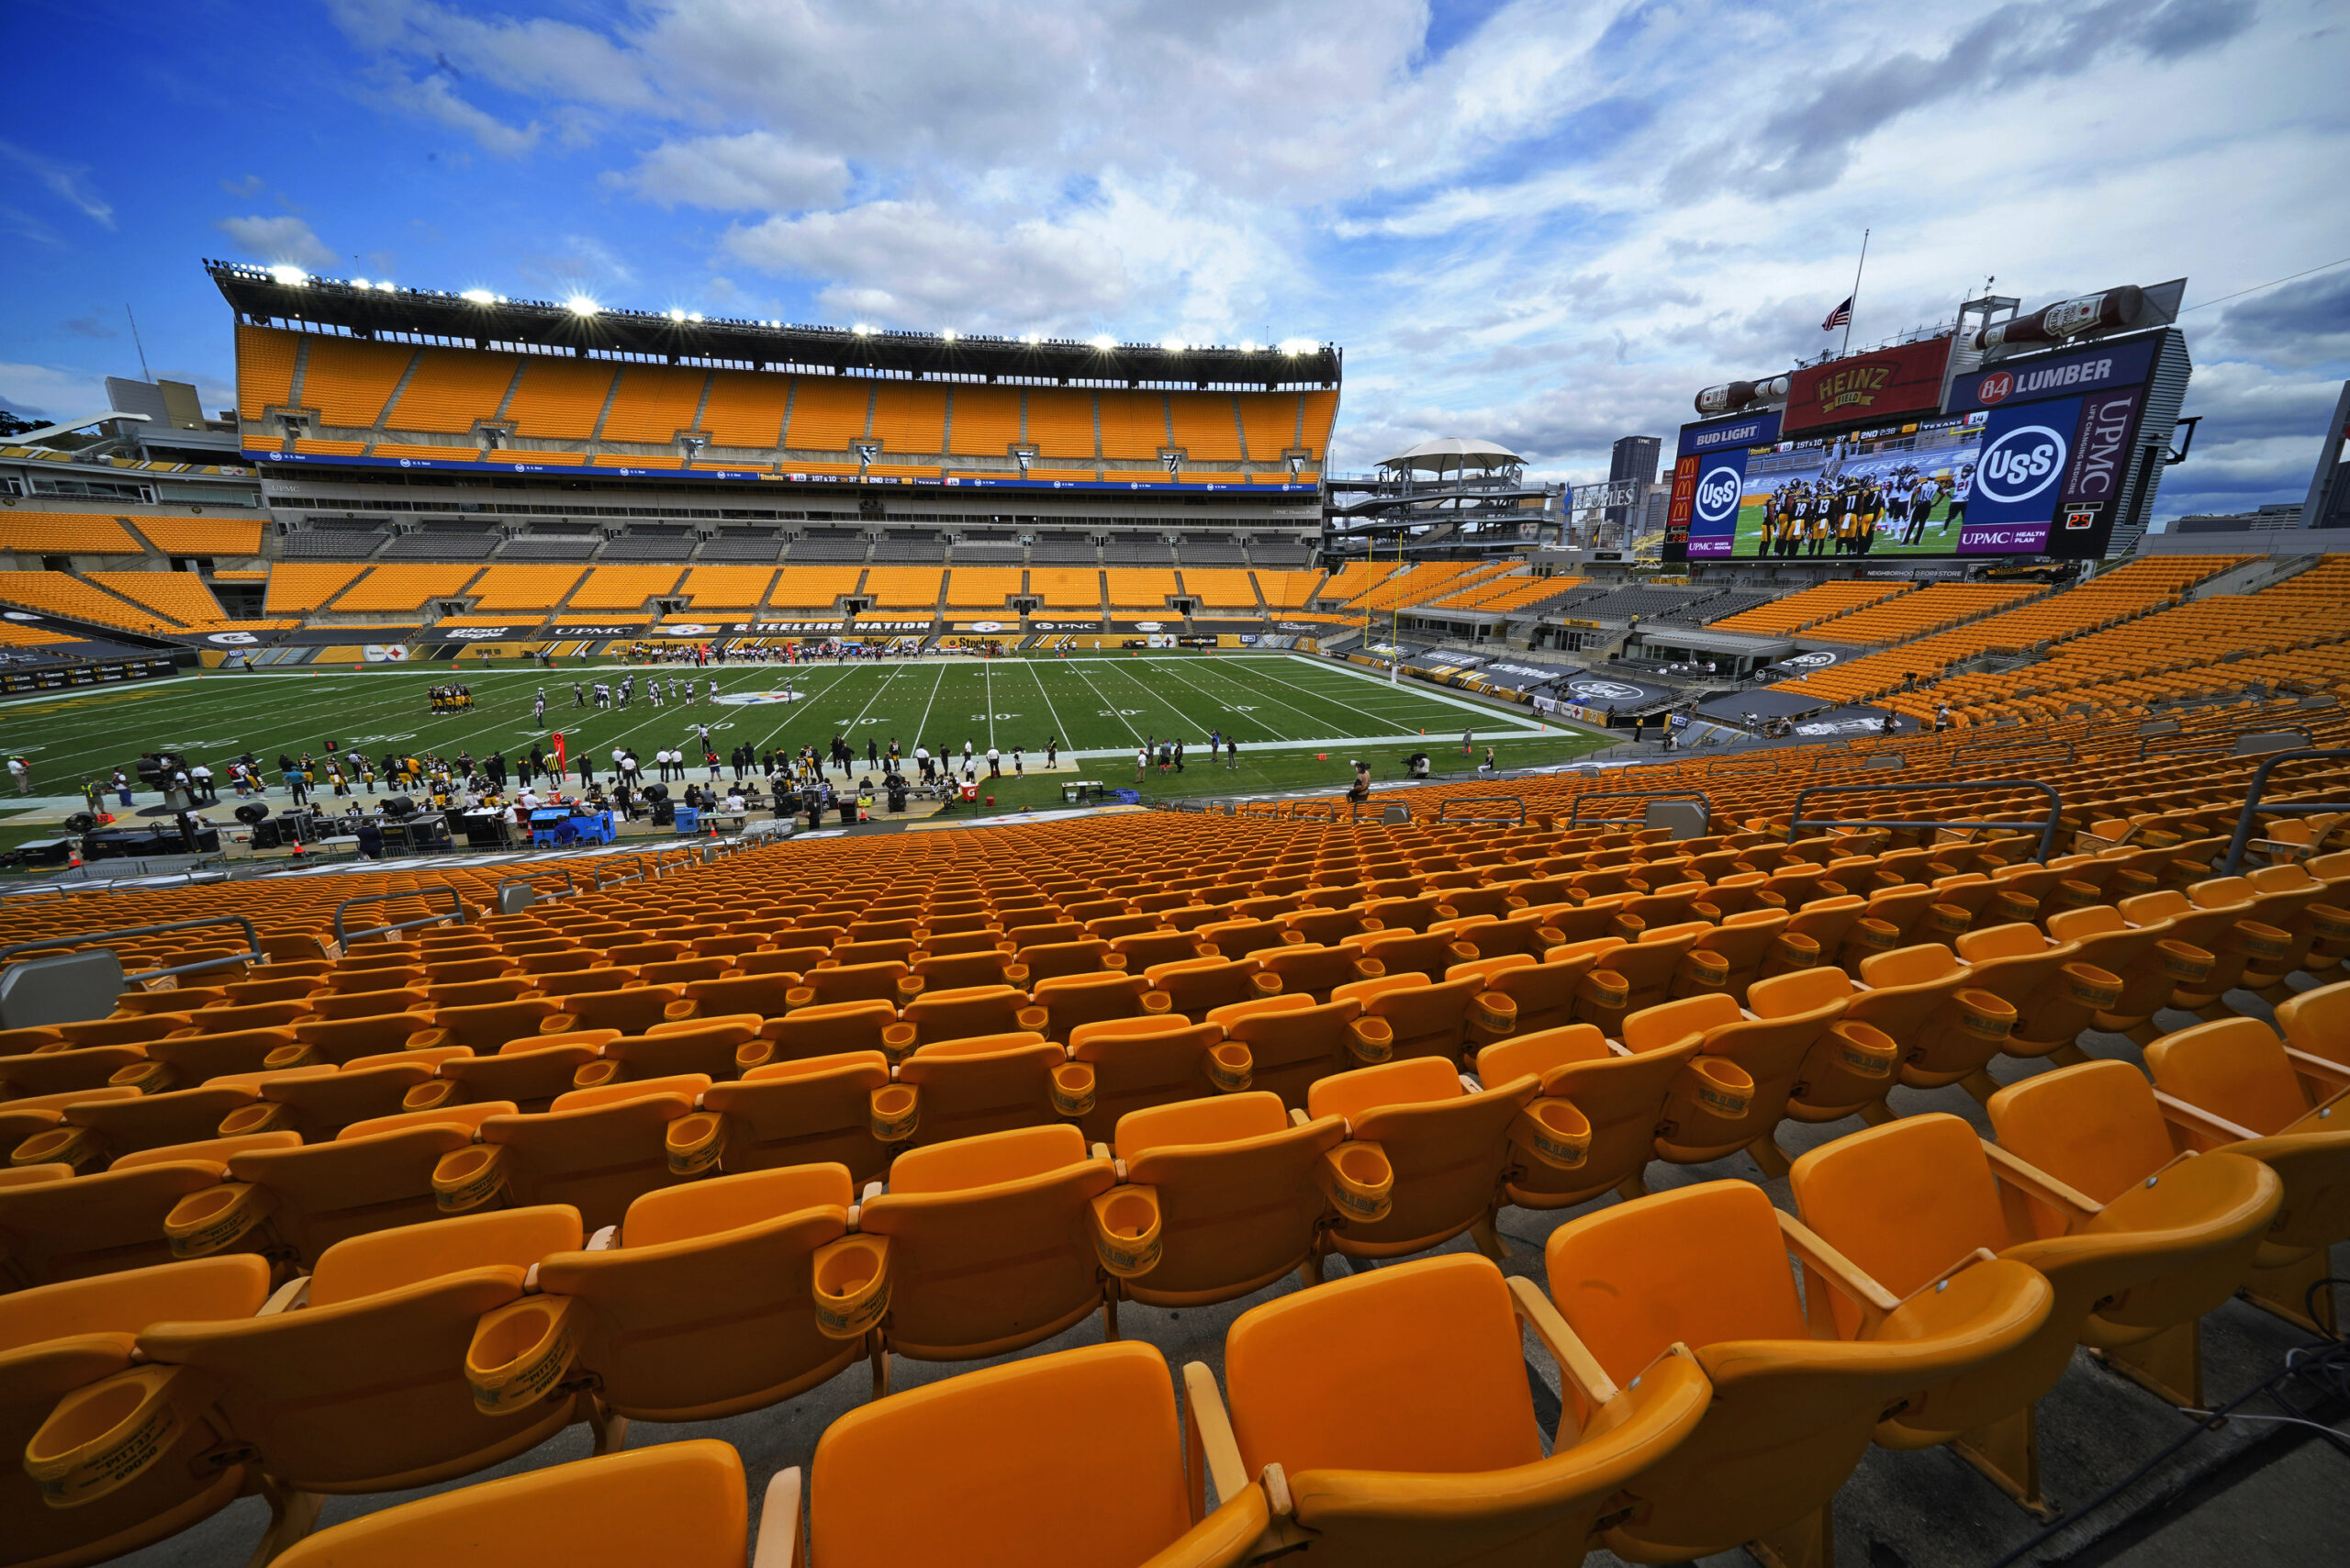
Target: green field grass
1299,719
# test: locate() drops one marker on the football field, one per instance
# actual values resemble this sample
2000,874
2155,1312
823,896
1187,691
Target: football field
1293,715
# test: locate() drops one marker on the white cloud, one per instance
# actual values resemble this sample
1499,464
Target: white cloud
50,392
280,240
1552,230
756,170
70,182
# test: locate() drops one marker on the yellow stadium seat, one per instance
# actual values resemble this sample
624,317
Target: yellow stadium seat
1447,1143
987,1242
1907,1202
1792,1408
1395,1407
355,1383
58,1338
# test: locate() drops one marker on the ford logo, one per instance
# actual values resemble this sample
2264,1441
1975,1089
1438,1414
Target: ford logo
2021,464
1718,495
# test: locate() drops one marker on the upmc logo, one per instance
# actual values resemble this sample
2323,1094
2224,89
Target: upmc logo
2021,464
1718,495
1995,387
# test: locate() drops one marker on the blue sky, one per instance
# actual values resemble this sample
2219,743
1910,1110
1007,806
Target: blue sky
1546,223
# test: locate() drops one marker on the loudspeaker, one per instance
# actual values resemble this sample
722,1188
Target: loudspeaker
252,813
399,808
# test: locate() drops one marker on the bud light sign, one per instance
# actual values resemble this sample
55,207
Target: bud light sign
2019,471
1713,511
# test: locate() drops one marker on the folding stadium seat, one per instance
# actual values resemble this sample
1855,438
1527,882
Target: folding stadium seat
92,1133
982,964
825,987
1333,925
1244,1192
357,1385
1396,1406
292,1204
2280,898
38,1074
2224,931
57,1338
1594,1126
1097,1422
1791,1411
793,960
1526,933
1428,1018
331,1004
822,1030
111,1220
1073,1000
1123,1065
229,1017
988,1244
2233,1085
682,1501
319,1107
1447,1143
1427,954
1294,1041
1195,987
702,1308
189,1061
1313,971
931,1016
2150,965
708,1047
984,1083
1735,1093
1628,976
1902,1201
529,1073
632,1011
809,1111
593,1150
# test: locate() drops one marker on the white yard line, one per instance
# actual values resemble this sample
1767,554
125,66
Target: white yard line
924,724
1060,729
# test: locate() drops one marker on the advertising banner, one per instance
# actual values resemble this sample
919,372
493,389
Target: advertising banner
1702,447
1720,491
1904,381
2124,364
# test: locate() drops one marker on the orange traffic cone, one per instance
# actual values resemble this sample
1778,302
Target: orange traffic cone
72,859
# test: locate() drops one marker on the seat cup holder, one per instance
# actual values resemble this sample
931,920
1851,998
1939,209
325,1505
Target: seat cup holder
851,1285
1126,1231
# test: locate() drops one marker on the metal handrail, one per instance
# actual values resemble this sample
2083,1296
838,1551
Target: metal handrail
2242,835
1576,817
1797,821
457,911
1444,809
252,943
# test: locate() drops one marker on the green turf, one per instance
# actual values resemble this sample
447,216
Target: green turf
1286,710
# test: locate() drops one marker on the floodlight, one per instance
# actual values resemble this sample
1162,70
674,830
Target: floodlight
1031,337
388,286
361,282
694,317
1103,341
479,296
1173,345
1295,346
293,277
947,335
862,330
580,304
676,315
1248,347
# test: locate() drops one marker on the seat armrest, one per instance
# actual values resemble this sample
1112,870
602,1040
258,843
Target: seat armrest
1208,1441
778,1542
2195,1119
2028,1178
291,1296
1576,1364
2330,1078
1829,1268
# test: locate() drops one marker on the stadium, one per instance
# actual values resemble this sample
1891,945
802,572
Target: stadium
631,931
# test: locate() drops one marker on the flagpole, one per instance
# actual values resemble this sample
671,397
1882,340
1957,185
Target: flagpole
1856,293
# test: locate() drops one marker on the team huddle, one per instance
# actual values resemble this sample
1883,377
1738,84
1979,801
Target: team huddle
1843,517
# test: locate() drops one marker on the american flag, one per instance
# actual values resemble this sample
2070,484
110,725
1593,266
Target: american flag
1840,317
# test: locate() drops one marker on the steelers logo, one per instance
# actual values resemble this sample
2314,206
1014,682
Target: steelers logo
760,698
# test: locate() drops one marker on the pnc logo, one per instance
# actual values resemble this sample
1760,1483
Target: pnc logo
1718,495
2021,464
1995,387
